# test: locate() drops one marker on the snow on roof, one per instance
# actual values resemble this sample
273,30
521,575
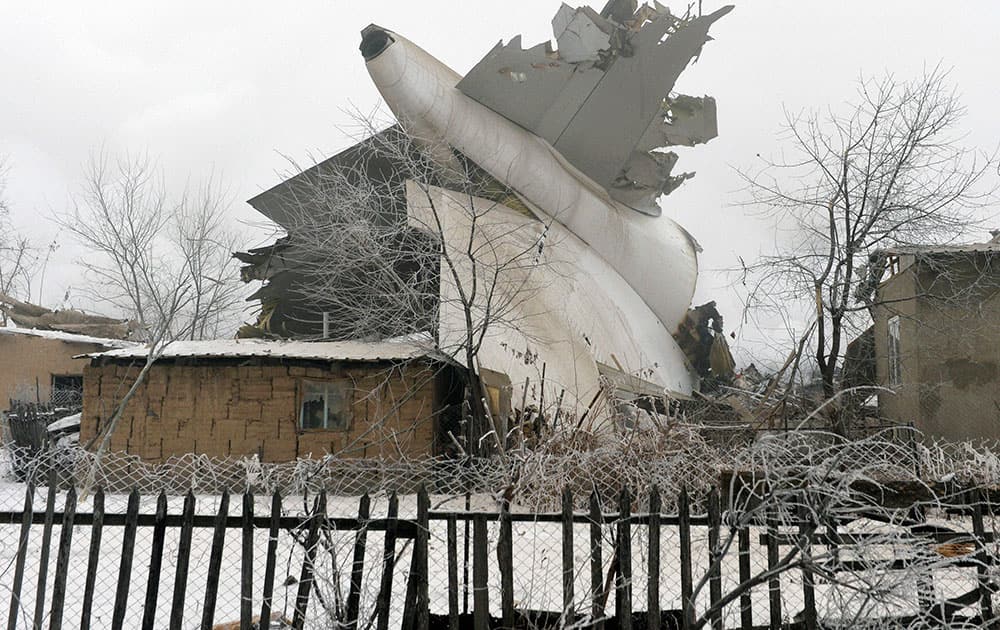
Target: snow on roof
67,337
309,350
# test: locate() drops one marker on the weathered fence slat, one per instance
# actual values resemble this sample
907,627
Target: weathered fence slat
22,554
155,563
93,559
388,564
982,557
653,571
569,614
62,562
125,565
684,538
746,601
505,560
773,582
480,575
452,572
596,562
215,563
714,558
246,564
808,580
416,605
623,585
43,559
183,562
358,562
306,577
271,561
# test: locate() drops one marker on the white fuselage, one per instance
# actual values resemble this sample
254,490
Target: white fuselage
653,254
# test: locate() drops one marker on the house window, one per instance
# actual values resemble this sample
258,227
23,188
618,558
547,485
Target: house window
326,406
67,390
895,364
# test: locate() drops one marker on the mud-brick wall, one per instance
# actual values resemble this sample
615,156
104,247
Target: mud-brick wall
27,364
232,411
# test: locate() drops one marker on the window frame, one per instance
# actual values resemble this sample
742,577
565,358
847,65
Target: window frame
346,394
893,351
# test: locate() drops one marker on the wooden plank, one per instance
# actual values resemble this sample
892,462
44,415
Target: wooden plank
93,559
358,564
155,563
465,551
808,580
596,562
271,561
653,570
623,585
423,540
480,576
22,554
976,498
125,564
746,601
388,565
452,573
43,558
687,580
246,564
773,582
505,560
416,612
569,614
308,562
183,563
714,558
62,562
215,563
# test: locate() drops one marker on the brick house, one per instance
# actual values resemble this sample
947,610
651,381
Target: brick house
38,366
935,342
276,399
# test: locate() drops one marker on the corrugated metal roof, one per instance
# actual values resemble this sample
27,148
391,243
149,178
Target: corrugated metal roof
59,335
917,250
308,350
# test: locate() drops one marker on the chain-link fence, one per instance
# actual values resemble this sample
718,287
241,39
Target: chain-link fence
891,556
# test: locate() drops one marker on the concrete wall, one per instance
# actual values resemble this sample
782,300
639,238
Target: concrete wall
951,351
27,361
232,411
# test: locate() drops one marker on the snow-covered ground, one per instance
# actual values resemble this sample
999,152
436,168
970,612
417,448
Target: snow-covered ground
537,559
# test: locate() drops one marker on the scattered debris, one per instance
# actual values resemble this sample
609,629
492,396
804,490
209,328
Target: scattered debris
73,321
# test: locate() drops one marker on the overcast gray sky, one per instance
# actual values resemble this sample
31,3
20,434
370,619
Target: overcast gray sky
232,87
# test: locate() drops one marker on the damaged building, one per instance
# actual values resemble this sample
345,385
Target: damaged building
934,348
560,156
37,364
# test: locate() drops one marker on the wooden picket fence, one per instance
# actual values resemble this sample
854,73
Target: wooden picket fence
615,582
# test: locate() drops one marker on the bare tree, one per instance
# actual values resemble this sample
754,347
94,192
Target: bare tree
17,257
890,171
205,244
161,262
424,247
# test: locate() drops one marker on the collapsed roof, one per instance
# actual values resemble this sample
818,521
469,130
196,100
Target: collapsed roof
29,315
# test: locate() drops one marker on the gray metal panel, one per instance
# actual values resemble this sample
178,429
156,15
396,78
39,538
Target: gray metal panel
518,84
600,139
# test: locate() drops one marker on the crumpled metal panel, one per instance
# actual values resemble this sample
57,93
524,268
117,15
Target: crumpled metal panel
600,97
